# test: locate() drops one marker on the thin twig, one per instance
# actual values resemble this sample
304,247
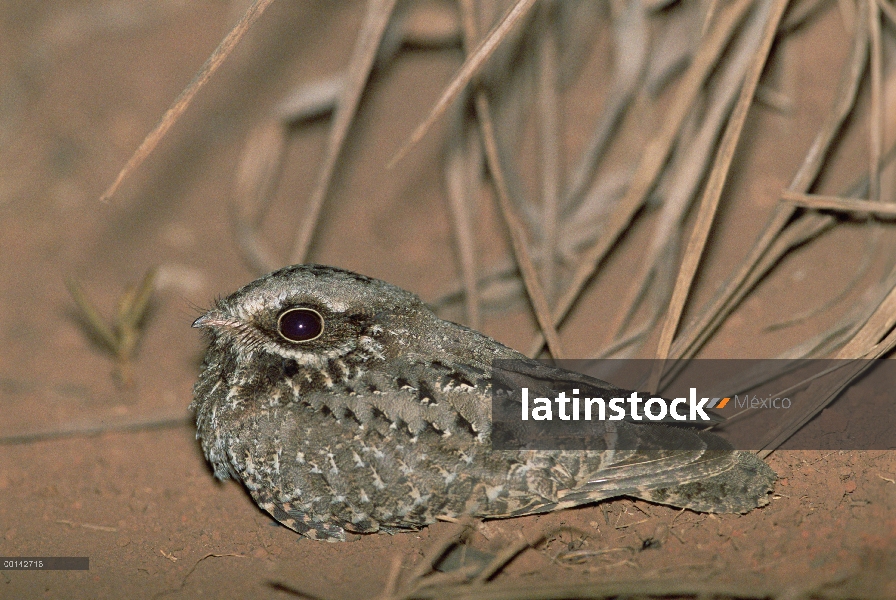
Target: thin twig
507,554
435,553
549,122
375,23
497,287
459,179
186,97
872,241
95,321
839,204
471,67
876,126
91,429
517,231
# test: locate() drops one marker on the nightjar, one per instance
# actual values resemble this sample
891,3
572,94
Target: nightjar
344,404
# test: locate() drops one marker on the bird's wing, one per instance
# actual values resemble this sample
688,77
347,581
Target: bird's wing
714,478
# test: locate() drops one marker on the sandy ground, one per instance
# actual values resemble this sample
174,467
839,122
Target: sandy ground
82,82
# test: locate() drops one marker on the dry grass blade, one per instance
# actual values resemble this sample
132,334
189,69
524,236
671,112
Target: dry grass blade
801,13
876,127
136,308
186,97
425,583
769,247
517,231
847,203
508,213
872,242
549,129
471,67
713,193
463,152
498,287
465,527
711,7
687,170
822,392
418,578
631,41
800,231
95,322
506,555
888,10
375,22
132,310
89,429
878,324
622,347
286,588
839,204
392,580
673,50
510,552
257,176
839,334
312,101
653,159
797,233
874,339
774,98
576,23
121,338
625,590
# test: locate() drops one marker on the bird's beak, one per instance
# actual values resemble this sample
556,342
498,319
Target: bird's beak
213,319
202,321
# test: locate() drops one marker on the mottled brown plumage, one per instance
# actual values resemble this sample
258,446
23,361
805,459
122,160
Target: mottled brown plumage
380,420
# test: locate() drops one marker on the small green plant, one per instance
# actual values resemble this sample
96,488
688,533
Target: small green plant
120,338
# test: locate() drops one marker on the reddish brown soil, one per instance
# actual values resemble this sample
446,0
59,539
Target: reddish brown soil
78,91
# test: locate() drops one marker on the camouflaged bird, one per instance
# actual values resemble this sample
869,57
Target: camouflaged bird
344,404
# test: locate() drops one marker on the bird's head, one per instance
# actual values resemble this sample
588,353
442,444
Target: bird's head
308,313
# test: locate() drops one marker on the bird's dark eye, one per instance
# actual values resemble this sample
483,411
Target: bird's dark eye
300,324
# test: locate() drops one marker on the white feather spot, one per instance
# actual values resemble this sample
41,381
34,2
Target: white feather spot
377,482
492,493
